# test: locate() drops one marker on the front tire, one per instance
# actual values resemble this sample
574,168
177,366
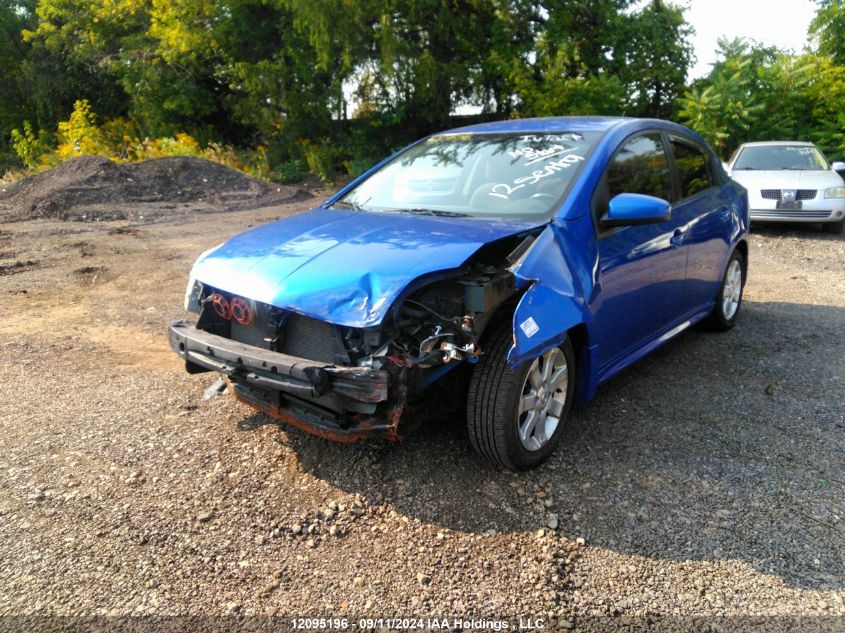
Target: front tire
515,417
729,298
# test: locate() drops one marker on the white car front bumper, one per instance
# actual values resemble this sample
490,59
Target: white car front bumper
809,205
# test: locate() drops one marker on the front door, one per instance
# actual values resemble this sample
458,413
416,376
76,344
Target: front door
642,268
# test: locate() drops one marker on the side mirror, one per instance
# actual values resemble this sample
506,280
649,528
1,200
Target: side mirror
838,166
726,167
635,208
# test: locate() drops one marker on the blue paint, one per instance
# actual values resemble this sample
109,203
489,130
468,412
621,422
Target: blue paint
636,208
433,375
627,290
345,267
552,304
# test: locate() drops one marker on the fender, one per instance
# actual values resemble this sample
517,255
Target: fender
552,305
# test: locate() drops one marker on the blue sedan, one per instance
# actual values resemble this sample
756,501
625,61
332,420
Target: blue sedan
520,264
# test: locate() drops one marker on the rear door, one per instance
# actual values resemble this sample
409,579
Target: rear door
641,268
707,218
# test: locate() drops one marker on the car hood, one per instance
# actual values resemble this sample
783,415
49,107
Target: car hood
344,267
786,179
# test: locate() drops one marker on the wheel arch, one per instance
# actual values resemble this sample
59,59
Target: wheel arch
550,307
742,248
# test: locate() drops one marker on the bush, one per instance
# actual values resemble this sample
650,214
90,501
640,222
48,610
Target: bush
347,153
290,171
322,160
28,146
357,166
121,141
12,175
79,135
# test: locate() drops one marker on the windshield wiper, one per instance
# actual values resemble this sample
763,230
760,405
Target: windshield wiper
435,212
349,205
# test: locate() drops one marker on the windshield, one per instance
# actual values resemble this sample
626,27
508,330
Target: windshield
804,157
511,176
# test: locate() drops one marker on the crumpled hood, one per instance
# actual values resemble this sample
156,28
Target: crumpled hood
344,267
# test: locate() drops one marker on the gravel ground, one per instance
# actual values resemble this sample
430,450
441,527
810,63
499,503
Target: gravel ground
703,488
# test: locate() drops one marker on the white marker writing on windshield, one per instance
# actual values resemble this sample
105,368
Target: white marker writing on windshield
503,190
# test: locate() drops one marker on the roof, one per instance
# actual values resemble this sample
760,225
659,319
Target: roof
600,124
769,143
547,124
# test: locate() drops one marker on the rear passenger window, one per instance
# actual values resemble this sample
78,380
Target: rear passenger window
640,167
692,166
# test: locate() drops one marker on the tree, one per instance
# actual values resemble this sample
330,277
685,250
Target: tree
599,57
828,27
757,93
15,105
724,106
280,73
653,57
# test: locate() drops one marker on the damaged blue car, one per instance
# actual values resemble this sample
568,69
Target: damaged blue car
520,263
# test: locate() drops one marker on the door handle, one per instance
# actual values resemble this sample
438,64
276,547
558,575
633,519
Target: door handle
678,237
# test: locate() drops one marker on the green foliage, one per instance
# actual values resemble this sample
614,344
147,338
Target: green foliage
829,27
357,166
757,93
29,146
653,59
283,87
15,105
724,107
79,135
554,94
323,159
290,171
120,141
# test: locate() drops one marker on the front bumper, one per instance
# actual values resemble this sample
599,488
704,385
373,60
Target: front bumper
818,209
771,215
257,376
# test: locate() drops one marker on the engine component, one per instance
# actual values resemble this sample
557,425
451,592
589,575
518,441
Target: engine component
241,312
485,292
221,306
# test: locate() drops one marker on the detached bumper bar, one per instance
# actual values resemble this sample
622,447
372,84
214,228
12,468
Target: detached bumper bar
272,370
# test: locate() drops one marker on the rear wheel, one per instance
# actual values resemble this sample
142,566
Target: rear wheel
515,417
729,299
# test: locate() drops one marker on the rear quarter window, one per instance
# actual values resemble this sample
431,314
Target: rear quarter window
693,166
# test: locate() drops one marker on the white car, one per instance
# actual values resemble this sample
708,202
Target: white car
790,181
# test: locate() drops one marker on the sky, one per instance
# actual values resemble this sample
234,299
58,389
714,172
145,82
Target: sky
781,23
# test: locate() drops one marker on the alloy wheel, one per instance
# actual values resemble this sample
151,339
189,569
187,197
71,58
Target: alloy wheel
732,290
542,399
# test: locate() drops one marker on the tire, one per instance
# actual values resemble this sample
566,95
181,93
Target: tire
494,398
726,310
834,227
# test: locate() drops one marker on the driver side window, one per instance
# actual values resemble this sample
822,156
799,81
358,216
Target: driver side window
640,167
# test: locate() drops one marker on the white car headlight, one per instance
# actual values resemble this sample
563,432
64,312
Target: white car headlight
835,192
192,295
194,290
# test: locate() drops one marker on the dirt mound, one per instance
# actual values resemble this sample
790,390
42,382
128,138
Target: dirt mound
93,188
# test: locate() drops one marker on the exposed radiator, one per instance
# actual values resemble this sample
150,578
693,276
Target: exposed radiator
300,336
315,340
309,338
